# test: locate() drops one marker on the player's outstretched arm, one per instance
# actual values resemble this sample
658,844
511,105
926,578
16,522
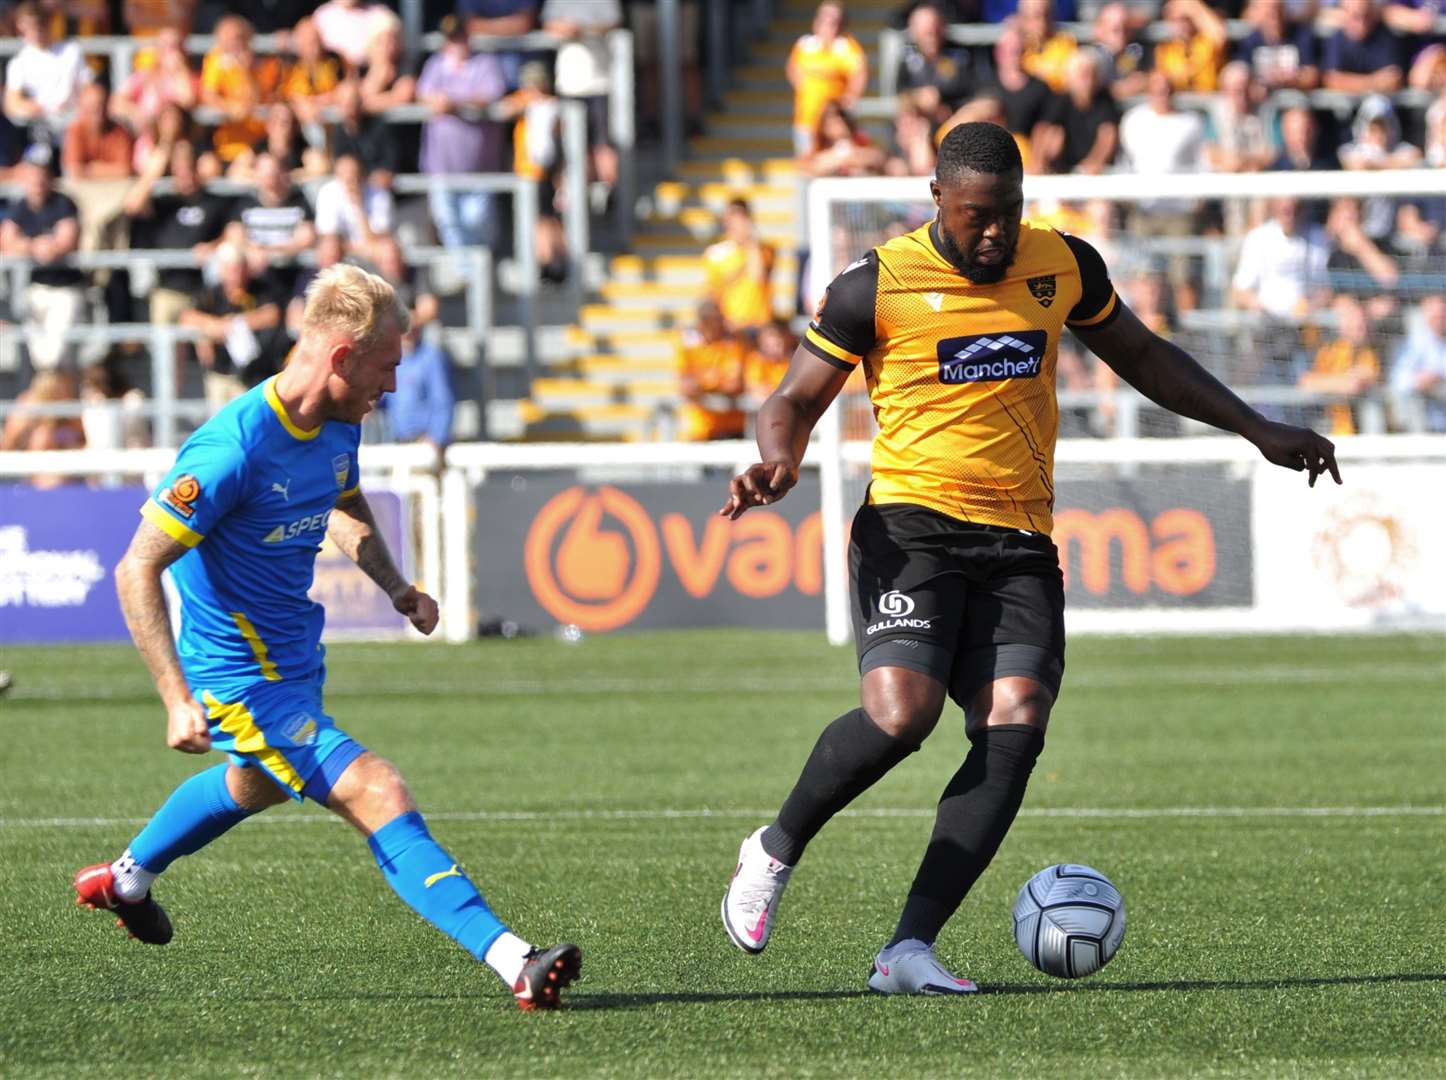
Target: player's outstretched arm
353,529
1171,377
785,422
143,602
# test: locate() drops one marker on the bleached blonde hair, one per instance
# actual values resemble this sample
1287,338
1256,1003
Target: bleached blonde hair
346,299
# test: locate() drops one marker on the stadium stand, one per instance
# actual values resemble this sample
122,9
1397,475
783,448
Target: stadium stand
564,286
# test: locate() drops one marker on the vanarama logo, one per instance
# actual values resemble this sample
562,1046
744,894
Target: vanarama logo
599,559
595,577
897,609
310,523
992,357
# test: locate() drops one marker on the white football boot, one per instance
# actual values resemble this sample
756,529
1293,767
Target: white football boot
751,903
910,967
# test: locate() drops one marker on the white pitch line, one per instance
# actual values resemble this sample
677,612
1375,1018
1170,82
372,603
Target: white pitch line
665,814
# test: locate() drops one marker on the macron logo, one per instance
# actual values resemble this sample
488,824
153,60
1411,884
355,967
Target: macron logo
991,357
935,301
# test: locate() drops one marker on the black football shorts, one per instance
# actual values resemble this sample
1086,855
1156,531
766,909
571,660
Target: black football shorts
965,604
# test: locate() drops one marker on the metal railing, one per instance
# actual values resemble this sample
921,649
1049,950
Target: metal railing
164,408
622,130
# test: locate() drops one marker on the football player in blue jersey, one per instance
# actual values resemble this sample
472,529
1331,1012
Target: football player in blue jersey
238,521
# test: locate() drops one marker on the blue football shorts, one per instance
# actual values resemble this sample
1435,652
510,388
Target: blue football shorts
281,728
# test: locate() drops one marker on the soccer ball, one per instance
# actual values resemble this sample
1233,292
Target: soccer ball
1069,920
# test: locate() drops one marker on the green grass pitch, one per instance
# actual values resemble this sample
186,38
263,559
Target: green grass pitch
599,791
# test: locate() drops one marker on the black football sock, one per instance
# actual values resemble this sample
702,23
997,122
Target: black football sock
975,812
850,756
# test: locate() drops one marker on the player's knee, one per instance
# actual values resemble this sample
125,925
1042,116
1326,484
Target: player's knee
906,708
1013,701
376,791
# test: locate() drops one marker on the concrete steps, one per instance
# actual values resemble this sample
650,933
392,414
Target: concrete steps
612,371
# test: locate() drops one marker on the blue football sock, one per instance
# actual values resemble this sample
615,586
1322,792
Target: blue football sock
197,812
427,878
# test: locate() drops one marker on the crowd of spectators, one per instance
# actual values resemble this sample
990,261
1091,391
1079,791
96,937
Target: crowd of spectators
299,122
1163,88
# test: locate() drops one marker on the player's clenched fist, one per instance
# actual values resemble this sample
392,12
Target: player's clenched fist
186,727
759,485
417,606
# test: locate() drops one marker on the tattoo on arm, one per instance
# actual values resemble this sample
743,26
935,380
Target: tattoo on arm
353,529
143,602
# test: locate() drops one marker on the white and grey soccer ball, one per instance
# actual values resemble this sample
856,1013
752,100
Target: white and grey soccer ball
1069,920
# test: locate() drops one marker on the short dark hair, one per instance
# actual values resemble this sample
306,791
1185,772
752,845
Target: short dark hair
741,204
977,148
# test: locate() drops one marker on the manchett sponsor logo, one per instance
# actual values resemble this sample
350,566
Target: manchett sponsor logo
47,579
989,357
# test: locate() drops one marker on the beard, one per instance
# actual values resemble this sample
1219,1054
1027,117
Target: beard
973,273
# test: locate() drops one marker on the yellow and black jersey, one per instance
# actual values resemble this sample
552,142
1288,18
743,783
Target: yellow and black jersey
961,375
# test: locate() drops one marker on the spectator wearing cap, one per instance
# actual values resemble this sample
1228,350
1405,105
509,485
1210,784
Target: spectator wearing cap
1376,143
937,78
1047,48
43,79
583,71
1124,57
455,85
825,65
1282,54
44,226
1084,121
346,28
1363,56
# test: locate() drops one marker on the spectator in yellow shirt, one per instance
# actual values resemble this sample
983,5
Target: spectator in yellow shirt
1047,48
230,82
1194,53
740,270
768,362
311,79
825,65
1346,365
711,379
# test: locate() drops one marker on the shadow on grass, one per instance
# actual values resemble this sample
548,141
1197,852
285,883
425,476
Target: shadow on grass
584,1000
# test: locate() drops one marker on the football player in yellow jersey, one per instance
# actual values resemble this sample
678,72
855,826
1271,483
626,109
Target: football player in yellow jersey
957,588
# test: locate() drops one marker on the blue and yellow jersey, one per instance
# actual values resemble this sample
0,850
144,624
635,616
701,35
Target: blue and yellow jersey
251,494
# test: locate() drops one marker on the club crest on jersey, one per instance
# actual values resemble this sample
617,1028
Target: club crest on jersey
1042,289
339,469
181,496
992,357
